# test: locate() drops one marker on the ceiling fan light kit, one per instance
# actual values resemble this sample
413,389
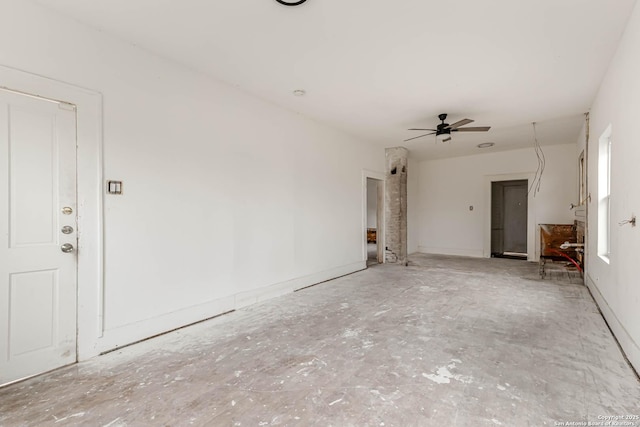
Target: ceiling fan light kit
444,136
444,130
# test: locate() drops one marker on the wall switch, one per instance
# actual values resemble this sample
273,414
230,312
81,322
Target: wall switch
114,187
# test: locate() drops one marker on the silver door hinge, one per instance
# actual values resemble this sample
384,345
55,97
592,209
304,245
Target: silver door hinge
66,106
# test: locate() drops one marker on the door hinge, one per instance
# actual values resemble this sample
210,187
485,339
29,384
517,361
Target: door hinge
66,106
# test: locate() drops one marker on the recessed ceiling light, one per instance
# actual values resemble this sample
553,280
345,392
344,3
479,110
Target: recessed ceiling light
299,92
486,145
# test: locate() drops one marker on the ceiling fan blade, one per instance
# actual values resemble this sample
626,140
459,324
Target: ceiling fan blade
472,129
416,137
432,130
460,123
446,140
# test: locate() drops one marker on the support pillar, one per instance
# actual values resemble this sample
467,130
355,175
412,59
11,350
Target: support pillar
396,205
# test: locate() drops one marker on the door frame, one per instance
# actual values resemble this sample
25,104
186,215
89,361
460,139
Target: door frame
380,210
532,250
89,169
503,185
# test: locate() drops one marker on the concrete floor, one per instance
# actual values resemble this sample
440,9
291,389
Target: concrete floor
372,254
447,341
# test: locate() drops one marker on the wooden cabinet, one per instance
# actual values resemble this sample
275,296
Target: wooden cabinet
371,235
552,237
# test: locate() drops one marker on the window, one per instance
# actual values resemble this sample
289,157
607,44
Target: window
604,195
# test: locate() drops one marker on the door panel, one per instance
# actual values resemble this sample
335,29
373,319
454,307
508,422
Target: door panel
515,218
32,299
32,196
37,280
497,218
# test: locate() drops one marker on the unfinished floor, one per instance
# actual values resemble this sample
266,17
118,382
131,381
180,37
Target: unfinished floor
447,341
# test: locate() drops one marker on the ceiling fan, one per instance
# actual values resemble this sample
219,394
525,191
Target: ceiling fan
443,130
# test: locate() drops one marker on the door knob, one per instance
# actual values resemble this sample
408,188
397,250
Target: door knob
67,229
67,210
66,248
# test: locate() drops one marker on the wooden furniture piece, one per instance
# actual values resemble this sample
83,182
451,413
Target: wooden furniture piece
371,235
552,237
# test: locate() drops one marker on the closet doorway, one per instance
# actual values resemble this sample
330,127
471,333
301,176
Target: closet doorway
374,221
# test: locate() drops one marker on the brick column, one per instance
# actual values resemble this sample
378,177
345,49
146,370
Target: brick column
396,205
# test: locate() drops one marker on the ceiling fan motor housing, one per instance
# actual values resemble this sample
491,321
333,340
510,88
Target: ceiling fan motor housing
441,127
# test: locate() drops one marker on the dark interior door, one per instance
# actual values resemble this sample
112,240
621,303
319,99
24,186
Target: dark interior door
509,217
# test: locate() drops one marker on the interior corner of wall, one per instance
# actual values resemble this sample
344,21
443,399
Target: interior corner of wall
630,345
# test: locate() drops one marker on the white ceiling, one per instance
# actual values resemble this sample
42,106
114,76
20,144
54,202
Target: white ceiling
374,68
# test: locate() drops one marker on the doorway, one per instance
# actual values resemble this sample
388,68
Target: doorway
509,206
374,221
38,236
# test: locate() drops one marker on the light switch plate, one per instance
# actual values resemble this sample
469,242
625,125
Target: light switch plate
114,187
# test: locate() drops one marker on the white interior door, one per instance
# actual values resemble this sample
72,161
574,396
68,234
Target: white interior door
37,220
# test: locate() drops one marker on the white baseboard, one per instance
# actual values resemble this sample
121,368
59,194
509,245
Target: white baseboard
451,251
133,332
251,297
628,344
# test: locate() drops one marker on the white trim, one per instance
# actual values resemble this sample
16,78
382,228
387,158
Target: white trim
134,332
247,298
451,251
532,238
604,218
629,346
380,234
144,329
90,214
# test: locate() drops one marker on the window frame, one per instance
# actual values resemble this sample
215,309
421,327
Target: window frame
604,195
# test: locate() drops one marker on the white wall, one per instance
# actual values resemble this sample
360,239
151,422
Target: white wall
448,187
372,203
616,285
227,199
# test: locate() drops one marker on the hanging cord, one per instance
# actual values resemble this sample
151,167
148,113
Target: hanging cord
537,179
544,159
631,221
562,254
